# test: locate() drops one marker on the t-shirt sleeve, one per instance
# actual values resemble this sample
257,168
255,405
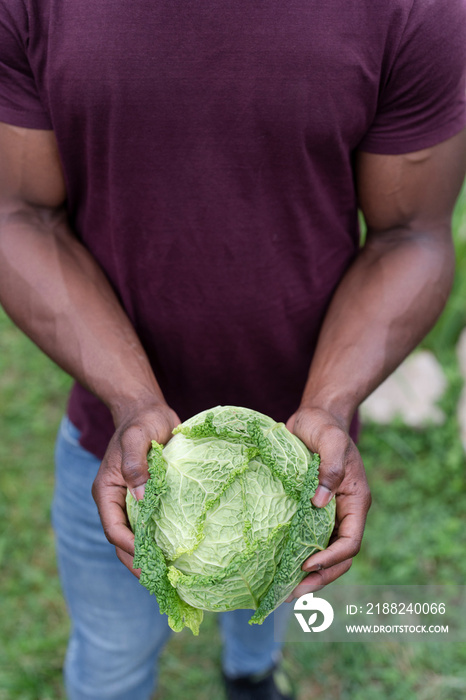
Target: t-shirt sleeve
20,103
423,99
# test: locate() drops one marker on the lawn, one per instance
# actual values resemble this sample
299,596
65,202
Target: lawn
415,535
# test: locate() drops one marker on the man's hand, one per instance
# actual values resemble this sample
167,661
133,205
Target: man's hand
125,467
342,476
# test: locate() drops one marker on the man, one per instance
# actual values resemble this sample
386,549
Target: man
179,188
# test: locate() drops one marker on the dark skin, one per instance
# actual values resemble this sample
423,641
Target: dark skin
384,305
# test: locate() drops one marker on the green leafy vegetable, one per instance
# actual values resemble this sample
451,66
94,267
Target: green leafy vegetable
226,521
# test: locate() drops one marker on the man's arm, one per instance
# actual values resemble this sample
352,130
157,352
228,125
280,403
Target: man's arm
386,303
54,290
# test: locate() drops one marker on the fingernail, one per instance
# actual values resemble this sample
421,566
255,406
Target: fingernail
138,492
312,568
322,496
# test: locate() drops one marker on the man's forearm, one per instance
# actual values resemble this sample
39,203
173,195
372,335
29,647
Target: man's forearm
387,302
56,293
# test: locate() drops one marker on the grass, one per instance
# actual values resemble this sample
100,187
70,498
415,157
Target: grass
415,534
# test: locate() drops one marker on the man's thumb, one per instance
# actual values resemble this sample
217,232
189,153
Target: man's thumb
134,468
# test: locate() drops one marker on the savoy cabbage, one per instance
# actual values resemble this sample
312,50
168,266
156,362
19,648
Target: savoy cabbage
226,520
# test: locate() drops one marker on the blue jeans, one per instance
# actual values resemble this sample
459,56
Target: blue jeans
117,630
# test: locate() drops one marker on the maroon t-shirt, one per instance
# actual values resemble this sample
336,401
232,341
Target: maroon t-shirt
208,154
